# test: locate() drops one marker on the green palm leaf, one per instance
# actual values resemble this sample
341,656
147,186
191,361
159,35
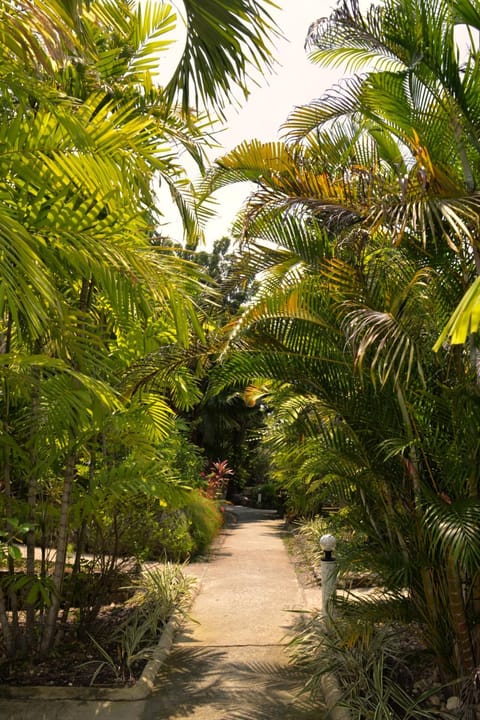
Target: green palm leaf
465,320
453,529
223,40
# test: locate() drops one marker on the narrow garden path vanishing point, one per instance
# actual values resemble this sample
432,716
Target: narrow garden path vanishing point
230,662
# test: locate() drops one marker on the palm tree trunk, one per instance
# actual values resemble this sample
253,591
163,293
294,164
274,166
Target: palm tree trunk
460,624
32,499
60,558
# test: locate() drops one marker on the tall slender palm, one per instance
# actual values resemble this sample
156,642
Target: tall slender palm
347,226
84,134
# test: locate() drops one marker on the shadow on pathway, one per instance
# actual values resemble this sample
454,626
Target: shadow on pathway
228,683
229,663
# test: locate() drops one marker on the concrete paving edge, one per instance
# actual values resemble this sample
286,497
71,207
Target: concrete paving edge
140,691
332,696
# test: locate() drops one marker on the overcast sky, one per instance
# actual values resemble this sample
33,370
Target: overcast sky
294,82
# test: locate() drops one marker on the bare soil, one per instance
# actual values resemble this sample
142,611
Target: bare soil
77,661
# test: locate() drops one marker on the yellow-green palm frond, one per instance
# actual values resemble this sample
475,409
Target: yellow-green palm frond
465,321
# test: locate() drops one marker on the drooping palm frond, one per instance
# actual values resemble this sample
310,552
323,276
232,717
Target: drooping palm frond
452,528
146,31
466,12
347,37
249,161
224,40
385,319
283,240
172,371
465,321
36,34
340,102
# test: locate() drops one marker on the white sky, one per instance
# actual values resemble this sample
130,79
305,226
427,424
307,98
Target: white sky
295,82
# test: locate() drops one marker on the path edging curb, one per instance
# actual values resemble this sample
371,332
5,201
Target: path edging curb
140,691
332,695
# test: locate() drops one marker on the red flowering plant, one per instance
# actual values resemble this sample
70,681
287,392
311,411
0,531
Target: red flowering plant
217,479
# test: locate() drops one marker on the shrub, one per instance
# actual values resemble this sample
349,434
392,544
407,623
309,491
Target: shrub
377,668
157,593
205,521
148,530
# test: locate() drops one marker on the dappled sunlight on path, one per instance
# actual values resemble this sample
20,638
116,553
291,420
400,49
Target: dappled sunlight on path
230,661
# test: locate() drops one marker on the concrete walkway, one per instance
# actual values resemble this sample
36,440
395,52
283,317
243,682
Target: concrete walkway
229,662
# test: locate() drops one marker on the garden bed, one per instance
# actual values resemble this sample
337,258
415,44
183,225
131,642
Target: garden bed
118,645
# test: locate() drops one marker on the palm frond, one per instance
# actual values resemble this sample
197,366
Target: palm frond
331,39
341,101
465,320
223,40
453,529
467,12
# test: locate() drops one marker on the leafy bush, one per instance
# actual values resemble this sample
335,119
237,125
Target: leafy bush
375,669
268,494
171,536
157,594
147,529
205,521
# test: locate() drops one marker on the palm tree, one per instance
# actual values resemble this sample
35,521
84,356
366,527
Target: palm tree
347,227
366,413
85,133
420,92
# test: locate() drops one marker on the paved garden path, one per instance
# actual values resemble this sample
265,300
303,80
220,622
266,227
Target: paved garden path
229,663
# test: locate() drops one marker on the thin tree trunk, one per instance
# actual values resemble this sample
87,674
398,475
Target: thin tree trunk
18,638
8,636
459,620
431,602
11,630
32,500
5,350
60,558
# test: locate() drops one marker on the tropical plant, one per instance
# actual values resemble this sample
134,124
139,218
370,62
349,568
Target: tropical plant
363,230
217,479
85,136
419,91
377,670
158,593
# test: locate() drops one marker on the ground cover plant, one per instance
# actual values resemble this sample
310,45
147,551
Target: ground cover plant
112,647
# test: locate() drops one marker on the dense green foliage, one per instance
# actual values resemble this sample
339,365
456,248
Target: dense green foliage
86,292
363,229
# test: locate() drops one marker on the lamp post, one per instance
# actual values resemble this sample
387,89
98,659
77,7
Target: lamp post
328,544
